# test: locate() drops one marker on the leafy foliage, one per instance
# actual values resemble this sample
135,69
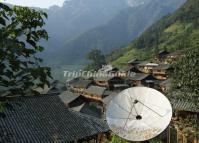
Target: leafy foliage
21,31
97,58
116,139
186,75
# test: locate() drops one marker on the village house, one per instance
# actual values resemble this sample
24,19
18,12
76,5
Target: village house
108,82
90,108
127,71
146,67
160,72
123,72
133,62
174,56
79,85
160,57
47,119
68,97
94,92
141,79
185,132
108,69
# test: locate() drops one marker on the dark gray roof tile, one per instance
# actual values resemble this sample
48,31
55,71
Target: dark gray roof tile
46,119
68,96
184,105
96,90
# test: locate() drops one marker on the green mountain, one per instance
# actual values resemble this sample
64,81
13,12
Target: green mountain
119,31
176,31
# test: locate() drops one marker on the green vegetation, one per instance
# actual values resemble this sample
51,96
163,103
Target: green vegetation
186,76
20,71
176,31
185,86
97,60
116,139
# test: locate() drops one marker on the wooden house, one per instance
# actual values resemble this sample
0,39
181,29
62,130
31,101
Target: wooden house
174,56
46,119
160,57
108,69
79,85
102,81
123,72
141,79
133,62
184,110
94,92
127,71
108,81
146,67
161,71
68,97
90,108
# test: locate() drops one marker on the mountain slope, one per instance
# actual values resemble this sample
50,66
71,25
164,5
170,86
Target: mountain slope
119,31
177,31
75,17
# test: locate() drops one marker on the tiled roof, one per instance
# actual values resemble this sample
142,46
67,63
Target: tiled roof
139,76
143,63
120,85
68,96
81,83
101,78
79,107
46,119
163,66
184,105
108,68
108,98
92,109
134,61
89,108
96,90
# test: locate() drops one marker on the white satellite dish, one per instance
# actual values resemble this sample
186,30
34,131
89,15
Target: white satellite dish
139,113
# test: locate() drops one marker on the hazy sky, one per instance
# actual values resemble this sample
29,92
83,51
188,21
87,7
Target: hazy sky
36,3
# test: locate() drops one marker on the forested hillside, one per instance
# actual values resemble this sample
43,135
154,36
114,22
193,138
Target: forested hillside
176,31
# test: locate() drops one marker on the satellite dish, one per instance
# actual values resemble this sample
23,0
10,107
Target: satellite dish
139,113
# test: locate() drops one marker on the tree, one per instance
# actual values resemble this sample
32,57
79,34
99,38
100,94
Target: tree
97,59
186,75
20,68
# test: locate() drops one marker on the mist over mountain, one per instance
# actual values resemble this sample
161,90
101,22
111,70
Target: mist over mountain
78,16
81,25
